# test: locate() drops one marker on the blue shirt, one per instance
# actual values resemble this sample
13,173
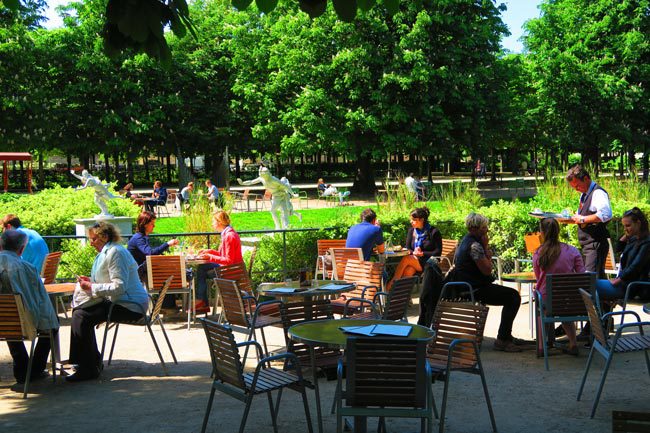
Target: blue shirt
35,250
364,236
139,248
20,277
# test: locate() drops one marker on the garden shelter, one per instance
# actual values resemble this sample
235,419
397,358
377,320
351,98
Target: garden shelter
16,156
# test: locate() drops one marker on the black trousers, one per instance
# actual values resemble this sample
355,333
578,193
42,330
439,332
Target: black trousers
495,294
83,344
20,356
595,254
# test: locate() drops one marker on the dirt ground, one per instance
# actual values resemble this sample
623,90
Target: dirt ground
134,395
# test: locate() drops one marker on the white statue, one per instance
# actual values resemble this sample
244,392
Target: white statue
102,194
281,199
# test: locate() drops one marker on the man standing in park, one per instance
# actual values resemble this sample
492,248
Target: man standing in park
20,277
36,249
366,234
594,212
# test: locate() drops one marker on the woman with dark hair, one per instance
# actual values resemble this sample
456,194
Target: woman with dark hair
555,257
128,193
635,258
159,196
113,282
423,241
140,248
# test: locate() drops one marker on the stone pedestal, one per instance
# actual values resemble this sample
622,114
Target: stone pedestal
123,223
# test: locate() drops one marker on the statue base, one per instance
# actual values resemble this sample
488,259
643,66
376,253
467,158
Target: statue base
123,223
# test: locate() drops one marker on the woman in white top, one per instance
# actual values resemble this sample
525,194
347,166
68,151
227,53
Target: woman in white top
113,282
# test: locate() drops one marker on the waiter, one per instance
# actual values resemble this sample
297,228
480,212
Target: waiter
592,217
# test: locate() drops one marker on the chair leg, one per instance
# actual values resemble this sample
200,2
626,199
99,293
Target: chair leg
53,352
110,356
59,301
443,408
485,390
584,376
249,400
106,326
251,334
169,344
155,344
433,404
277,402
305,404
601,384
29,367
274,414
336,396
207,411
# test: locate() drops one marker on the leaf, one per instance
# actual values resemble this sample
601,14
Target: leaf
313,8
366,5
345,9
266,6
392,6
11,4
241,4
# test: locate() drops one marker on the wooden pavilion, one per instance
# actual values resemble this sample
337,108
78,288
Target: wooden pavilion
5,157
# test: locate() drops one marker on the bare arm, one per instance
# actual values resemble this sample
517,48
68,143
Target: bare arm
250,182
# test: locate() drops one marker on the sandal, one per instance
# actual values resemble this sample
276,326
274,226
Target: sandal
571,351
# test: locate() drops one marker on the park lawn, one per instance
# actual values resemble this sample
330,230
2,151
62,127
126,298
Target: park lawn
261,220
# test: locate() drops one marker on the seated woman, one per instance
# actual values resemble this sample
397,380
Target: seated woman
114,281
229,253
555,257
635,258
158,197
128,193
321,187
423,241
473,265
140,248
184,196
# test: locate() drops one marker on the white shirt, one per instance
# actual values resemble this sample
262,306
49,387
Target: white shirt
330,191
411,184
600,203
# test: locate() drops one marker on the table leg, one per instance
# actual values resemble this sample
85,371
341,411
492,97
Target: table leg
360,424
319,414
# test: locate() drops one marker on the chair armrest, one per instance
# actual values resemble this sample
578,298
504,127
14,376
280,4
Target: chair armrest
372,305
363,291
257,345
621,313
261,304
630,286
295,363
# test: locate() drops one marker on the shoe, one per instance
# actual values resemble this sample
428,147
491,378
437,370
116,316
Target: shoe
584,336
573,351
520,342
82,375
39,375
506,346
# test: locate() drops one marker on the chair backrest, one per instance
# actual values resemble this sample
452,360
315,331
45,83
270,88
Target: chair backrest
226,363
597,328
159,268
51,267
532,241
294,313
340,257
453,320
251,261
448,252
610,259
13,323
233,304
363,274
161,296
237,273
398,298
562,296
386,372
323,245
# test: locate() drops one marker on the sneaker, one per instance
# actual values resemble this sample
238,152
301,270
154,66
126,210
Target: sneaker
506,346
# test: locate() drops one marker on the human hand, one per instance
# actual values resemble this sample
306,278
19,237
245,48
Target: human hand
623,238
71,171
172,242
418,252
82,278
86,285
616,281
377,223
576,218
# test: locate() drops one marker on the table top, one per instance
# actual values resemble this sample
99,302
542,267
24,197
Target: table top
557,216
60,288
328,332
288,290
520,277
195,260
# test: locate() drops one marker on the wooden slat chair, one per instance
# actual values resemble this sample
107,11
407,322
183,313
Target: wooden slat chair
237,311
392,307
323,246
15,326
147,320
263,200
160,268
340,257
625,422
230,379
48,274
446,257
386,377
563,302
631,290
367,276
456,346
607,347
611,267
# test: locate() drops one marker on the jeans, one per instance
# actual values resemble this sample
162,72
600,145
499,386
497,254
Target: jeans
606,290
201,281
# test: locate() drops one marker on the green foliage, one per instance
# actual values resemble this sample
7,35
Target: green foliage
52,211
457,196
77,259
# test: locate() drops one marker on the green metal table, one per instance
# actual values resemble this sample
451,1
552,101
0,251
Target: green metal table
328,333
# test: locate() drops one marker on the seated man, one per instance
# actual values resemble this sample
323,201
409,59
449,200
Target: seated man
36,249
366,235
20,277
213,192
158,197
184,196
321,186
331,191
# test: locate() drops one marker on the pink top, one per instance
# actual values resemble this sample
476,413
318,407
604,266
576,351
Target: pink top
229,252
569,261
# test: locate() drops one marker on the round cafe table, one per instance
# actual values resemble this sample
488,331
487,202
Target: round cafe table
290,291
525,278
557,216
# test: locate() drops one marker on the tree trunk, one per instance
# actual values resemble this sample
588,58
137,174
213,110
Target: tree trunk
129,165
145,161
364,180
41,172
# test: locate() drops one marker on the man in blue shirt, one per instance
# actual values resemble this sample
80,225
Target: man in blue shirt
36,249
366,234
20,277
